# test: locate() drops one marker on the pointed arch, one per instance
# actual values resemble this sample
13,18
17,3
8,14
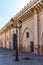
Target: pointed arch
26,40
25,30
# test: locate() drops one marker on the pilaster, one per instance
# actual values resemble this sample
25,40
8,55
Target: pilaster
10,39
20,39
36,32
5,39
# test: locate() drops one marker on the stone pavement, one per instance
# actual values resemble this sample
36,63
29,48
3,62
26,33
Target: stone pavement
7,57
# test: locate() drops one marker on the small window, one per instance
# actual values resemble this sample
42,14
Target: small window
27,34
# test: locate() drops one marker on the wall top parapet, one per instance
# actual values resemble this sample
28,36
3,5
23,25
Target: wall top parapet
28,6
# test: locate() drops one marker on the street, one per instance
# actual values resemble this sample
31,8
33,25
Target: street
7,57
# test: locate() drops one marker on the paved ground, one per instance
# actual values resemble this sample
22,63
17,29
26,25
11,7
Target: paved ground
7,57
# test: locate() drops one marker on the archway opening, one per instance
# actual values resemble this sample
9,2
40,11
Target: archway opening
14,41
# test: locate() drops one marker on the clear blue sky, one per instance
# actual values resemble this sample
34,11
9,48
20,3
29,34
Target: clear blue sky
8,8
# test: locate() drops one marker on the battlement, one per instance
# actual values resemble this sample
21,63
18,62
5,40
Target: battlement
28,5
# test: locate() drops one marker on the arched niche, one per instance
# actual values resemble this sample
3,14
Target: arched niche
27,37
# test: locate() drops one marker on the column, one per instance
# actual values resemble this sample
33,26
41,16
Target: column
36,33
